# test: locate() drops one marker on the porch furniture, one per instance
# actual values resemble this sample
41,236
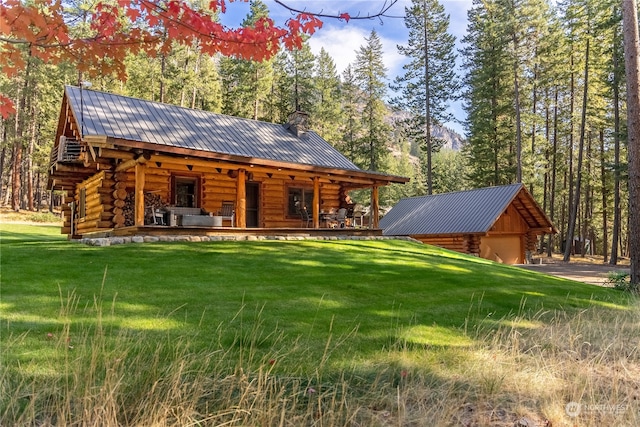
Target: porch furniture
158,217
228,212
341,217
306,218
358,218
182,216
329,219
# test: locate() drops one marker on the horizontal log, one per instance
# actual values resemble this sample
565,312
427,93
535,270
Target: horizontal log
95,178
110,153
155,187
93,210
156,180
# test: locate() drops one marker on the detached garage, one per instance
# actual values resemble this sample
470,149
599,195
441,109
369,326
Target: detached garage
497,223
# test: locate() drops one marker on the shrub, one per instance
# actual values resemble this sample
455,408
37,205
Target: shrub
620,280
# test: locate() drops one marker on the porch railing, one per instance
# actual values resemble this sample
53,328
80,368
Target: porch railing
68,151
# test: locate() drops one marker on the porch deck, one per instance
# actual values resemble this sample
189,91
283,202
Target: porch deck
159,230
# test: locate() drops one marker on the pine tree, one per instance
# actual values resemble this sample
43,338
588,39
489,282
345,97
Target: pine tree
350,126
299,67
246,84
370,74
429,81
326,118
488,98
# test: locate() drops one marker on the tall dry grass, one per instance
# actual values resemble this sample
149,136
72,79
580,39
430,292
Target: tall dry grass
523,370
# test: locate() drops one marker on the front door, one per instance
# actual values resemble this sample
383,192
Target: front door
253,204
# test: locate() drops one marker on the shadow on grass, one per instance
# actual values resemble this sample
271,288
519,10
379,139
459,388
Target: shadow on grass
367,295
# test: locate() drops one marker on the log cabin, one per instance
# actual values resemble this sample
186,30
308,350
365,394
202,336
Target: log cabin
127,165
498,223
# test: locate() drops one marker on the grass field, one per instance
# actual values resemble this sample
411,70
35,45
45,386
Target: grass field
303,333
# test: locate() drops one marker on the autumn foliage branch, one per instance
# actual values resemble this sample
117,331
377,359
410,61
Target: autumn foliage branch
40,30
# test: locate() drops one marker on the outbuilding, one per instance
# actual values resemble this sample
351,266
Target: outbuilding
499,223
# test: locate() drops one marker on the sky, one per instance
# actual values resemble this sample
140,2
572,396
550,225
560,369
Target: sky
342,40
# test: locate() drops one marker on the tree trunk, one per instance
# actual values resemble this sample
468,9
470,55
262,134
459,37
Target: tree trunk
552,196
632,66
615,239
570,183
605,205
576,197
32,142
3,154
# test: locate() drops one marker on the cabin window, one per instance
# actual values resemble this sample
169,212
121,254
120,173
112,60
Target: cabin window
299,197
185,192
82,203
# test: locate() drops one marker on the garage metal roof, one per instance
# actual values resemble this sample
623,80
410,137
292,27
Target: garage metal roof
467,212
126,118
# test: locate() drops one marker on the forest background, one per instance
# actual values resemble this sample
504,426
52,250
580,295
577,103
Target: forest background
542,84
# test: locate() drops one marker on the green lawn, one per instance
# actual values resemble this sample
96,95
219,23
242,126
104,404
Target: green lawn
389,291
301,305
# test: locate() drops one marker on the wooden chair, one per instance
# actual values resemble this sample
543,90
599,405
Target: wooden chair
228,212
341,217
306,218
158,217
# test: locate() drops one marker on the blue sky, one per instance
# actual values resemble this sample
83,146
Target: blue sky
341,40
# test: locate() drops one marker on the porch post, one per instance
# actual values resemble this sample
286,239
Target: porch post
375,207
139,194
241,199
316,202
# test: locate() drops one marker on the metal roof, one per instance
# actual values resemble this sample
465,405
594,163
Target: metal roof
468,212
126,118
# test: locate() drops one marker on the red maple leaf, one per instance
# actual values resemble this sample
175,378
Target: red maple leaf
345,16
6,107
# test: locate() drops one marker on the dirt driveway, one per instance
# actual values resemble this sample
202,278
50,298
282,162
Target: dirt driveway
595,274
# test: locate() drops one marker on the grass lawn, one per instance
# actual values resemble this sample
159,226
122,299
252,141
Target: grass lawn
345,319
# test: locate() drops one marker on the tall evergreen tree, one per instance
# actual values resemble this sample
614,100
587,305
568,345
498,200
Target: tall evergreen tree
488,98
299,67
370,74
429,81
350,126
632,62
326,117
246,84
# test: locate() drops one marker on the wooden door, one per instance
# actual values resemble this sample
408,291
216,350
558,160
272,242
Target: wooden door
253,204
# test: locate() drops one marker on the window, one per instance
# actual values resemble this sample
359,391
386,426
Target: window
299,198
82,203
185,192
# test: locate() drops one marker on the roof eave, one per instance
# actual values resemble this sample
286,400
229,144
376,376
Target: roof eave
243,160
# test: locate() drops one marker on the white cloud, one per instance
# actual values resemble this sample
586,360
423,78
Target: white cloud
343,41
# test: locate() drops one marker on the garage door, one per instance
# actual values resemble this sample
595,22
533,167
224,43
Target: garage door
503,249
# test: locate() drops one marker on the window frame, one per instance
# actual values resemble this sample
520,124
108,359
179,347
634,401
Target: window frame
305,196
176,179
82,203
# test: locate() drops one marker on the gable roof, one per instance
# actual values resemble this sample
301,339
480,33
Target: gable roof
164,125
467,212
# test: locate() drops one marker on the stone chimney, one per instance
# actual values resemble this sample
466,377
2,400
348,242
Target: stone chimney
298,123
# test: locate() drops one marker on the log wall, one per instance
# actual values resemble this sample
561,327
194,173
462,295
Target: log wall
111,190
98,204
467,244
